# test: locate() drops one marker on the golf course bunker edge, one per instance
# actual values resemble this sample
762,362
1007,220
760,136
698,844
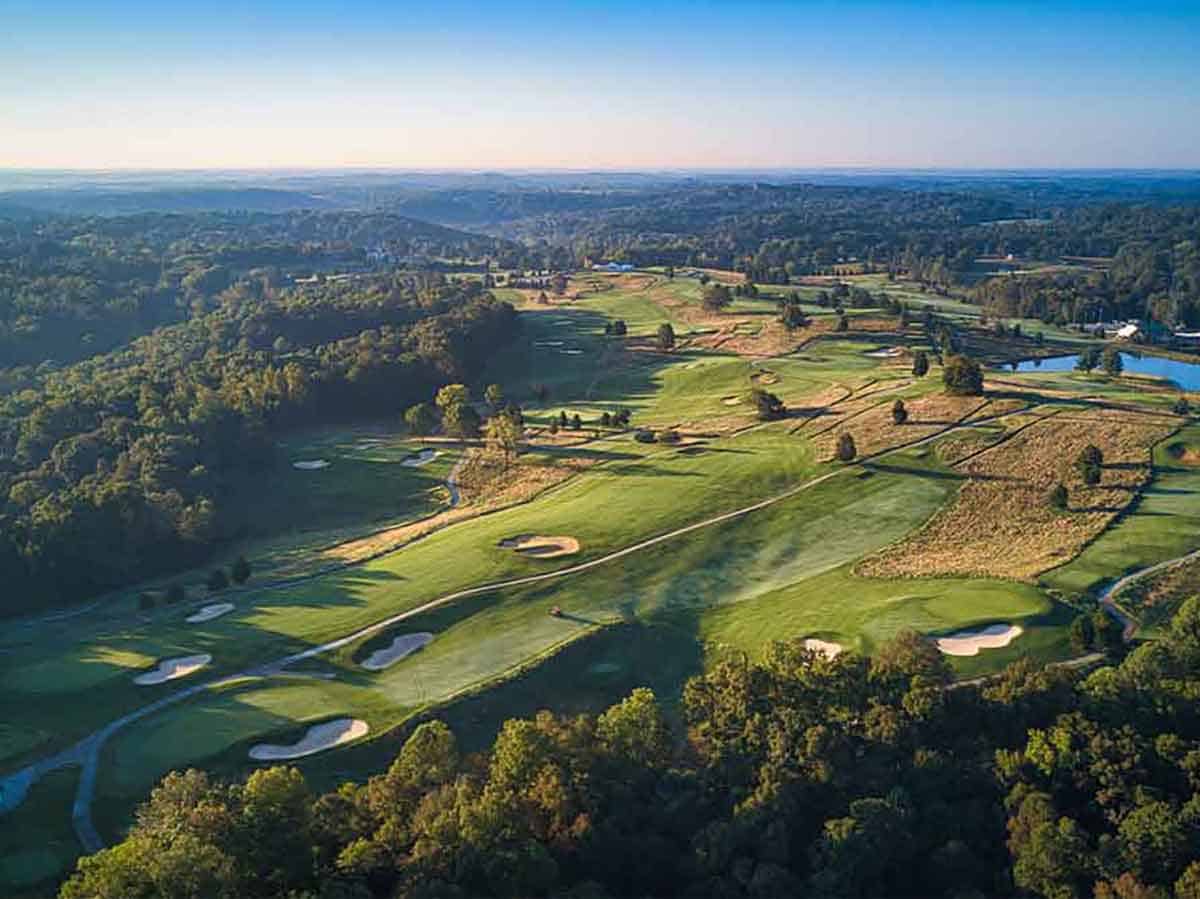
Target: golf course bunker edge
969,643
541,547
399,648
171,669
318,738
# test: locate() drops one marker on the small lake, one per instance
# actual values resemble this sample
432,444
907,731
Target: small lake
1185,374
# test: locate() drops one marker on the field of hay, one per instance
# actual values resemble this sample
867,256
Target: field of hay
1000,523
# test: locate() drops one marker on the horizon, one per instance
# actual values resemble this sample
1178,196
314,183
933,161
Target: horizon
584,86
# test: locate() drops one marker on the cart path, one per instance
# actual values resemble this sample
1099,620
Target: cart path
86,753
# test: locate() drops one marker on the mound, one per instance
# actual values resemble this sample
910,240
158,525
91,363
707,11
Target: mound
541,547
170,669
404,645
827,649
209,612
1184,453
311,465
319,738
968,643
424,457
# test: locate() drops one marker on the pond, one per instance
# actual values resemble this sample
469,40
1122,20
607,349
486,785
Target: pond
1185,374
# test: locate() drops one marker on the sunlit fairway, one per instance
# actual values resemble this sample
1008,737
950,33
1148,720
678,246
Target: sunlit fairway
657,615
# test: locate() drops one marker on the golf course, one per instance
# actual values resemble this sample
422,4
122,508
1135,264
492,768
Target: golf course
649,522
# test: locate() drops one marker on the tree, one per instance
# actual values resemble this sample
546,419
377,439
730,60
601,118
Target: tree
1083,635
899,412
494,395
1111,361
452,395
240,571
1182,406
767,405
461,420
920,366
666,336
216,580
716,297
843,324
1088,359
420,419
503,436
1089,464
576,422
962,376
1058,497
846,450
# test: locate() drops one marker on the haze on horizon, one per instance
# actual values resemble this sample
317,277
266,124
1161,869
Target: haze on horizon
590,85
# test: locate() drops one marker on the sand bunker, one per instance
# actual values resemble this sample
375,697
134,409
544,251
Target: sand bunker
170,669
311,465
424,457
209,612
827,649
404,645
319,738
546,343
541,547
571,352
885,353
968,643
731,400
1182,452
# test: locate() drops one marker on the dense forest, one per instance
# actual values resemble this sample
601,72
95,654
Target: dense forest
74,287
794,776
114,469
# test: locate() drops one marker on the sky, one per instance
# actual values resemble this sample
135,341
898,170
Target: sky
599,85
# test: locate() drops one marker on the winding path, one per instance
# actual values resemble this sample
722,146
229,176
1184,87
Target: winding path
86,752
1108,595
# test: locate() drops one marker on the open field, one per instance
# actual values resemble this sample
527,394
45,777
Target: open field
763,537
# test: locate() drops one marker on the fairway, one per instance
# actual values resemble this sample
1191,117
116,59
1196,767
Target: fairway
735,533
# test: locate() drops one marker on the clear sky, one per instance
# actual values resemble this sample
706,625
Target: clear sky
614,84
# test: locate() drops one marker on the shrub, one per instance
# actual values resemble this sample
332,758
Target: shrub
899,412
920,364
644,436
1057,498
768,406
666,336
962,376
846,450
240,571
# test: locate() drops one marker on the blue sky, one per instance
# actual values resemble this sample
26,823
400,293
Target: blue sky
599,85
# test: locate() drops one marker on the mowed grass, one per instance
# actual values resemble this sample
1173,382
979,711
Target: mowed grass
37,843
777,573
1162,524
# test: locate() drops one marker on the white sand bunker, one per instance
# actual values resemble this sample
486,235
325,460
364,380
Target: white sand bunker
571,352
885,353
424,457
404,645
311,465
968,643
319,738
170,669
209,612
731,400
546,343
827,649
541,547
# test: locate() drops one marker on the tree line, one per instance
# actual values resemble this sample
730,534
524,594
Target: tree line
796,775
124,466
